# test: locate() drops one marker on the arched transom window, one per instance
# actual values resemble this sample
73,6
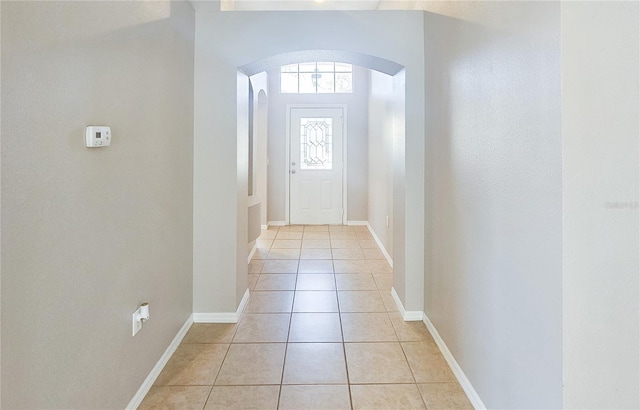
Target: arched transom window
316,78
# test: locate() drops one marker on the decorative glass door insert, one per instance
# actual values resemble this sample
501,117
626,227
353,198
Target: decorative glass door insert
315,165
316,143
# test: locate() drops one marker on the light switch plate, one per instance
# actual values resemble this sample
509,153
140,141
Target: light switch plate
137,322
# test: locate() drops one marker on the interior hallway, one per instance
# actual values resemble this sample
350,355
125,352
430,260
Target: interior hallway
321,330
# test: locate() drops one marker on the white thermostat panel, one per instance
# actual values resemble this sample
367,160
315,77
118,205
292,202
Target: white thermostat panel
98,136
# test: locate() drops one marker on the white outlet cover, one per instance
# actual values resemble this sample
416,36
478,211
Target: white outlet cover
137,323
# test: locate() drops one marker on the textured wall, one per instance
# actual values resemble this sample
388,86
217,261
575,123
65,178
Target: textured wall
493,282
89,234
600,109
260,84
380,184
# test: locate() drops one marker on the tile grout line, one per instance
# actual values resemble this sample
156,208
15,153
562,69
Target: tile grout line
235,332
215,379
286,345
412,374
406,358
287,341
285,348
284,358
209,395
344,347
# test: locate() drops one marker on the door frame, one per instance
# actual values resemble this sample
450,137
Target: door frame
288,156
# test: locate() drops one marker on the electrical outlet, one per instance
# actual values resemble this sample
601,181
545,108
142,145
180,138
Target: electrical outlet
137,322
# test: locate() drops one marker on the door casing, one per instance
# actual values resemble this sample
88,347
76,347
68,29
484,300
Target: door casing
344,156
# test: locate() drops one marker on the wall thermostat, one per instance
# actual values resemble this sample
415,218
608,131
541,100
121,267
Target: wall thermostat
98,136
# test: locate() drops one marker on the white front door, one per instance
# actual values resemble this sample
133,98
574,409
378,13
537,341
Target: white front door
315,166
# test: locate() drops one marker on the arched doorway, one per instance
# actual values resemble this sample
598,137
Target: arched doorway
229,48
397,80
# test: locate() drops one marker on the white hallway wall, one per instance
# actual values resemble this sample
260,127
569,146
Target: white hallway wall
226,41
380,183
594,334
600,108
89,234
493,281
588,381
357,142
260,83
498,327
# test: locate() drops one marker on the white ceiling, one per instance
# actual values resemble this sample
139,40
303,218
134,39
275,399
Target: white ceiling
319,5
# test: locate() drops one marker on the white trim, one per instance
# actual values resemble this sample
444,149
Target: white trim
287,159
253,251
277,223
412,316
155,372
226,317
381,246
253,200
243,303
223,317
357,223
471,393
345,192
396,299
264,227
287,186
407,315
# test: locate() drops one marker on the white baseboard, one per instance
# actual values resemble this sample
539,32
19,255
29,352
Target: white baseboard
253,251
215,317
471,393
155,372
223,317
243,303
381,246
263,227
357,223
276,223
407,315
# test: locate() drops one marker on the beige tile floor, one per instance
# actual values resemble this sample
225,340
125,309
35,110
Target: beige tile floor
320,331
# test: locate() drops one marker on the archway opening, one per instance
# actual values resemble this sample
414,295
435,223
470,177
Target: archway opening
386,89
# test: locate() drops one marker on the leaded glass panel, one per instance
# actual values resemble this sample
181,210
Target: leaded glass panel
316,148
